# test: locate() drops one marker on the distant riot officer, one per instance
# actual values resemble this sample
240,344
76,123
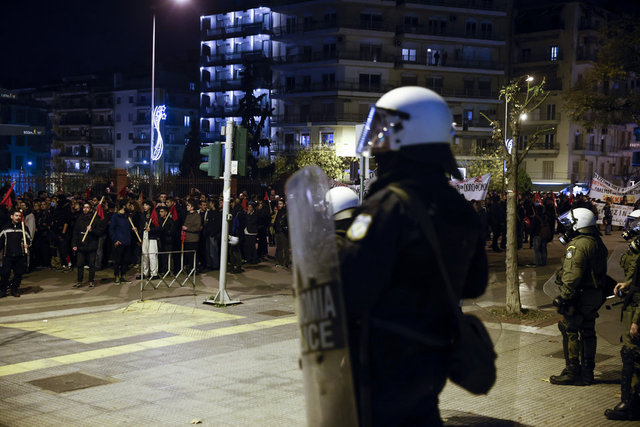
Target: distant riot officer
14,244
581,279
629,406
341,203
392,282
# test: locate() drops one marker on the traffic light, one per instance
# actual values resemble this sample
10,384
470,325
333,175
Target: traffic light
213,164
240,149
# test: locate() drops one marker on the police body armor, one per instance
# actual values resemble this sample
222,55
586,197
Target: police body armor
325,361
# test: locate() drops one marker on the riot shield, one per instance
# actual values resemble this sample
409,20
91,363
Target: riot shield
326,365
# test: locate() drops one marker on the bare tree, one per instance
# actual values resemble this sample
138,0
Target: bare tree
519,102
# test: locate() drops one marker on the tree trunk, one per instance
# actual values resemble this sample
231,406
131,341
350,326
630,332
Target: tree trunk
513,284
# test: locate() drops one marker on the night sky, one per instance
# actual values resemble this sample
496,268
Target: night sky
43,40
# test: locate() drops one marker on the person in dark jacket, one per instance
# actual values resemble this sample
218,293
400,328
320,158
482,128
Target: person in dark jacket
281,230
120,234
250,233
263,229
14,244
86,249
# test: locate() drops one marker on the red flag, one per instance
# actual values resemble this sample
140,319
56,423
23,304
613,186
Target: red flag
154,217
123,192
173,213
6,200
100,211
244,204
571,199
553,196
88,193
266,196
183,236
140,198
536,199
21,215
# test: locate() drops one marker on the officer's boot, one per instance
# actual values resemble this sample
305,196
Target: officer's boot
3,291
625,409
15,292
571,374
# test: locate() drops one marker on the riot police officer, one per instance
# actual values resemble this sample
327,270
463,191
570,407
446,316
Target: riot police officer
396,306
629,406
341,204
581,279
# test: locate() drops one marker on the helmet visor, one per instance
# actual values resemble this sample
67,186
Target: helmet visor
567,220
378,129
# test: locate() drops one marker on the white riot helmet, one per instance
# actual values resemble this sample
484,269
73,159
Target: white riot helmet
405,116
339,199
632,226
575,219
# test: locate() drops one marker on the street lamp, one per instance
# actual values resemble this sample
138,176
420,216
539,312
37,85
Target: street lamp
153,92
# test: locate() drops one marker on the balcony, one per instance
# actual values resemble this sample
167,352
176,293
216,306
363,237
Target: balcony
318,118
335,86
141,141
236,31
334,57
222,85
76,104
75,121
423,59
287,32
450,33
228,111
462,4
539,57
234,58
101,123
68,137
71,154
102,140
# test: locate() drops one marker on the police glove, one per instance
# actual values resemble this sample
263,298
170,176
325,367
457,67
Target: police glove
561,304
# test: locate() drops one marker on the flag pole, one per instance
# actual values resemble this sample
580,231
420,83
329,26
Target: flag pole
94,217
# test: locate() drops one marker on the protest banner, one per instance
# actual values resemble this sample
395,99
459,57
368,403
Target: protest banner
601,189
619,212
473,188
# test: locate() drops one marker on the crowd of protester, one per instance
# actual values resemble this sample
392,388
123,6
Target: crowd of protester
537,215
98,229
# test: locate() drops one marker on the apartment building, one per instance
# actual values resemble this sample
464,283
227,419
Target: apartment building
24,136
236,59
334,59
97,126
558,40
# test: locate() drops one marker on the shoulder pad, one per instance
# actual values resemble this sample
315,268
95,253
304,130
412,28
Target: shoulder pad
359,227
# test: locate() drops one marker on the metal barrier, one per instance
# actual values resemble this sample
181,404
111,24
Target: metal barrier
168,278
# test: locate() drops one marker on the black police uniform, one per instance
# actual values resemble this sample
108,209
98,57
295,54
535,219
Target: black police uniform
14,257
394,290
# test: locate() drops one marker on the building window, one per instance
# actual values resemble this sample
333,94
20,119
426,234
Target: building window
131,100
291,24
551,111
130,153
326,138
471,28
370,52
437,25
304,140
434,83
187,121
371,21
118,136
369,82
486,29
578,142
409,80
525,55
118,100
307,23
409,55
130,136
553,53
548,141
117,154
118,117
329,50
484,87
547,170
328,80
290,83
330,18
411,21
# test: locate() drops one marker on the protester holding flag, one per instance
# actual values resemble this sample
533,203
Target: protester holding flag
84,243
14,245
104,218
151,226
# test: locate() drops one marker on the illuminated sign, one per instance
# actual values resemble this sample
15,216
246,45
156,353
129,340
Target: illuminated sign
159,114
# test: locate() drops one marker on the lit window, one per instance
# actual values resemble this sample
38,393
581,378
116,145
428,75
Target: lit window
327,138
187,121
409,55
554,53
304,140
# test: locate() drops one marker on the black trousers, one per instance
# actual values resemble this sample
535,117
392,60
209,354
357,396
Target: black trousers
120,255
86,258
163,259
18,265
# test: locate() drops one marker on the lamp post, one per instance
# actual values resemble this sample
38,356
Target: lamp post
153,92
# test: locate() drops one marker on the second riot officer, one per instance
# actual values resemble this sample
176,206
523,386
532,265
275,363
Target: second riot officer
400,317
581,279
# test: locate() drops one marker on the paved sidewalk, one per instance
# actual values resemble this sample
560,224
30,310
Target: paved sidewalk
172,360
